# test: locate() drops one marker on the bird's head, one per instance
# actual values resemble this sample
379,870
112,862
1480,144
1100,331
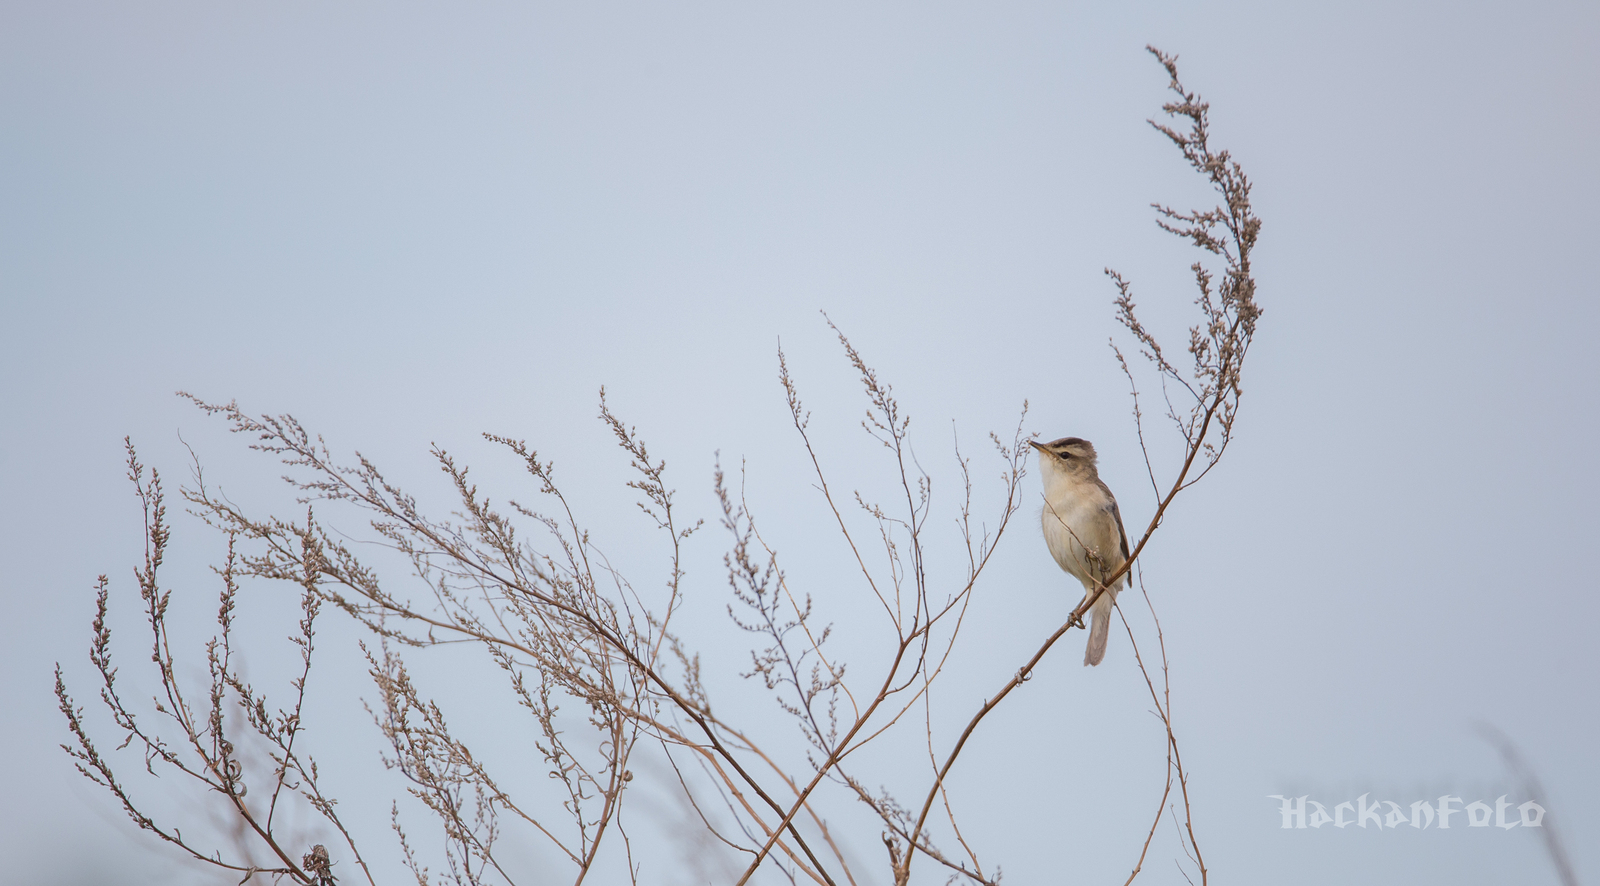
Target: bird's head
1066,459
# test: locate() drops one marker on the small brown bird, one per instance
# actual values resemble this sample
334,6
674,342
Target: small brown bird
1083,528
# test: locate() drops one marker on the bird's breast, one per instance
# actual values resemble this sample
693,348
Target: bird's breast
1073,527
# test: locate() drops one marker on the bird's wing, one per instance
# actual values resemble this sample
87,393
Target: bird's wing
1116,514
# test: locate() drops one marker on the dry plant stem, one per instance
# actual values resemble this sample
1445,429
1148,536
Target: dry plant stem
1144,850
755,814
283,436
1530,783
1163,703
894,818
1218,348
816,820
219,764
716,752
885,420
310,560
789,781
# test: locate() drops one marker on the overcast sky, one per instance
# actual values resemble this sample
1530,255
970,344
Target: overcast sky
408,224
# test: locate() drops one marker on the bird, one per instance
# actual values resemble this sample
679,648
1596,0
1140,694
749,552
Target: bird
1083,528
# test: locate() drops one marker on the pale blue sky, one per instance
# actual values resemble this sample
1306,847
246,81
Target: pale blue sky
409,224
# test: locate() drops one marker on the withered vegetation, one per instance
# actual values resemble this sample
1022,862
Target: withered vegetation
528,586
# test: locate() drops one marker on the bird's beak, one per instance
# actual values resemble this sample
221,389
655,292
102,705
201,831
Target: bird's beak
1035,445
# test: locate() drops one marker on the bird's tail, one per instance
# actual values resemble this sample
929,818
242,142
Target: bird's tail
1099,628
